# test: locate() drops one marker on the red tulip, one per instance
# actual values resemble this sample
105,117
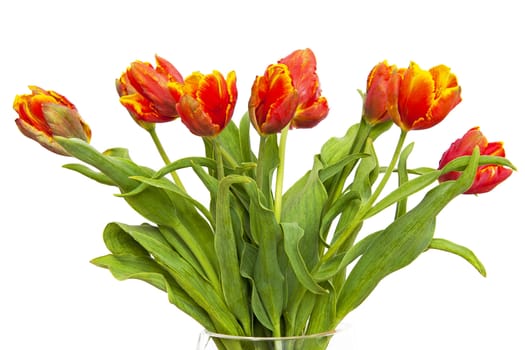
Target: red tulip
487,176
206,102
375,104
144,91
312,107
44,114
420,99
273,100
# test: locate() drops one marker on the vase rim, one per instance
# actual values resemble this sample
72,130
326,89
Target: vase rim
338,329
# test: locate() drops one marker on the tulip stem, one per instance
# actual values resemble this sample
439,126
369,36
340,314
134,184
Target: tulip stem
280,174
164,156
218,158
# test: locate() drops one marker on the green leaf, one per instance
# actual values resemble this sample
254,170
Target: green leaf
176,190
152,203
323,317
459,250
145,269
267,163
233,287
402,241
340,261
337,148
402,175
248,262
267,275
119,242
292,234
90,173
403,191
303,204
199,289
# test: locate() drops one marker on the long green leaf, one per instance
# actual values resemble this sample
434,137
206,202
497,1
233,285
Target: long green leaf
292,234
268,276
459,250
233,287
402,241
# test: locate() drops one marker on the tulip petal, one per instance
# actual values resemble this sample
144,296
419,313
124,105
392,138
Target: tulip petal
416,93
41,137
64,121
195,119
310,116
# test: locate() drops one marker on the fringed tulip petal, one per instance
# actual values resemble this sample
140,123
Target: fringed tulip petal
375,106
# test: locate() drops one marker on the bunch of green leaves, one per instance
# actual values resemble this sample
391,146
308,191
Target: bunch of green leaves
253,262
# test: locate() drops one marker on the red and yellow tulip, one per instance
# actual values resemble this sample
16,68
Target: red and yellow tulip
144,91
312,107
375,109
487,176
205,103
420,99
273,100
44,114
288,94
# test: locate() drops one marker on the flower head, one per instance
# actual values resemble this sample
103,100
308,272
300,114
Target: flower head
206,102
312,107
143,90
44,114
487,176
420,99
274,100
375,104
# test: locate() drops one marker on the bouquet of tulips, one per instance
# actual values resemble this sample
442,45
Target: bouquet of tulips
259,259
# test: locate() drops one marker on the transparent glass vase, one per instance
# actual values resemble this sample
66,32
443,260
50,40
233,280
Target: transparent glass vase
333,340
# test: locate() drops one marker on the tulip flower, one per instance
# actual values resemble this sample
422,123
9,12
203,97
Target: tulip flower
487,176
273,101
144,91
312,107
420,99
375,104
206,102
44,114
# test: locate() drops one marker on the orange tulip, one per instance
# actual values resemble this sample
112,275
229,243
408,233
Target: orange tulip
144,91
44,114
420,99
312,107
487,176
375,103
206,102
273,100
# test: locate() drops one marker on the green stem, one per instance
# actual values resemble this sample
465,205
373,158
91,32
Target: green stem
218,158
369,203
164,156
259,170
280,174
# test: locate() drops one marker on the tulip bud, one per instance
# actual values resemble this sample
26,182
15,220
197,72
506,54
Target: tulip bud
45,114
375,104
487,176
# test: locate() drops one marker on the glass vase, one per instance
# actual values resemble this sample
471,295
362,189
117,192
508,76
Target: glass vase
333,340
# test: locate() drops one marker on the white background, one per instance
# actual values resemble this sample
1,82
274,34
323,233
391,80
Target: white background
52,219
